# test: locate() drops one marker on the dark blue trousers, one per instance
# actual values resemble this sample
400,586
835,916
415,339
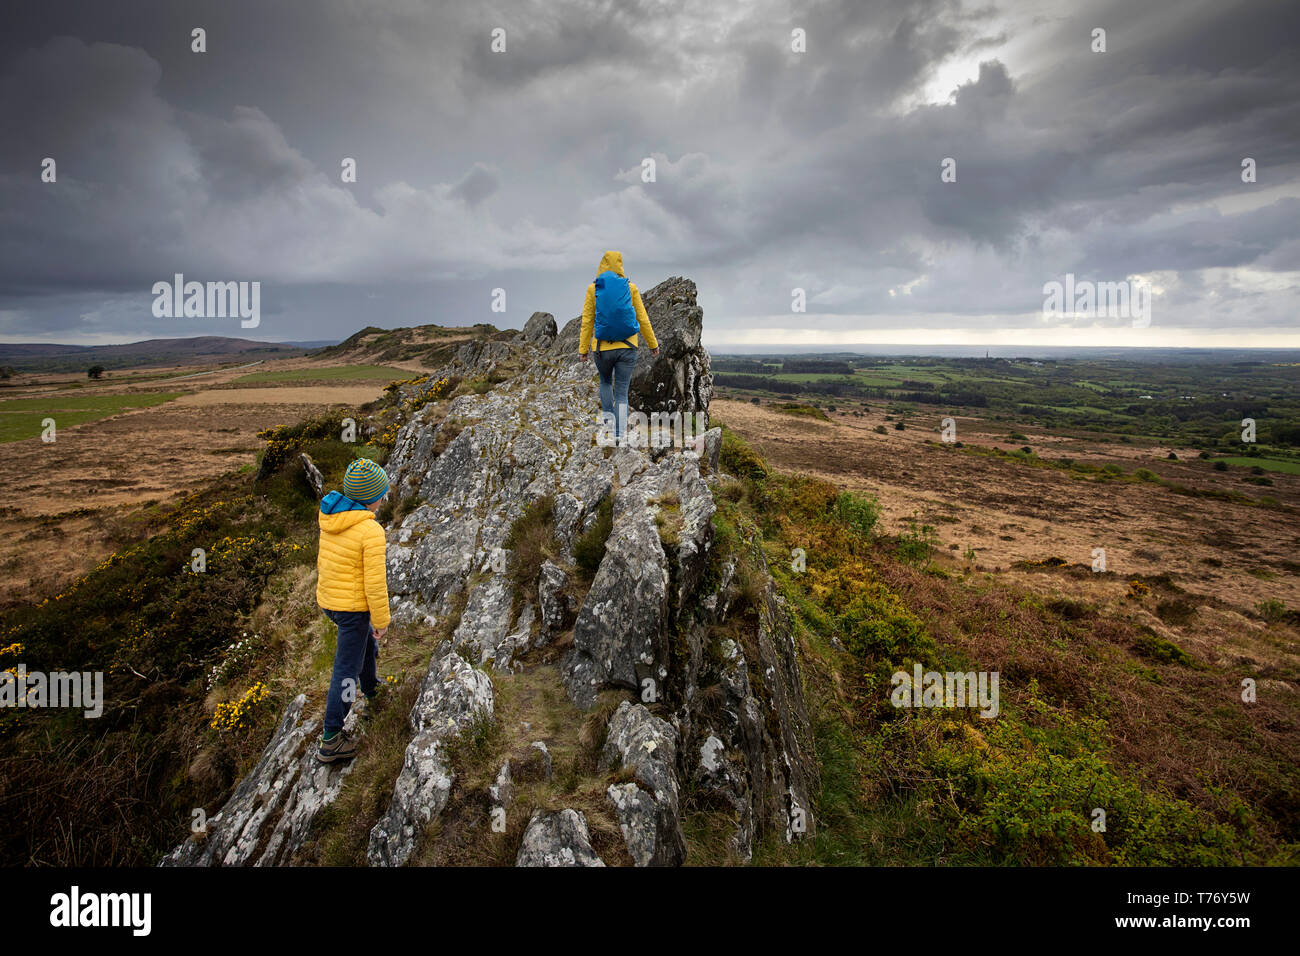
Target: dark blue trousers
355,665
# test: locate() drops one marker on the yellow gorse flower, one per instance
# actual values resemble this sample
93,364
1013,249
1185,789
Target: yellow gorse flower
236,714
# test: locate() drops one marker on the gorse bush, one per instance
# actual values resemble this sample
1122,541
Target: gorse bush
737,458
1156,648
917,543
392,387
284,442
236,660
1271,610
858,512
239,714
178,630
145,609
878,625
1024,791
432,393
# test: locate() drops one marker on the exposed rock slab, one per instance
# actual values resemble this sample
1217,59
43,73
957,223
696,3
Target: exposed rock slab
453,696
268,815
649,809
557,839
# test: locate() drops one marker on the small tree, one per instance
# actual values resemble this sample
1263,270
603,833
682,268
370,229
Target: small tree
95,371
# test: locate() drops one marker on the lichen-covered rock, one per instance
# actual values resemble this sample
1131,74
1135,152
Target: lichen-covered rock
619,635
485,619
453,696
313,475
552,600
557,839
540,329
649,809
711,451
502,791
758,758
272,808
478,357
535,764
516,642
720,770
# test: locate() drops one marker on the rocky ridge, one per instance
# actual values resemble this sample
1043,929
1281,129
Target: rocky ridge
712,700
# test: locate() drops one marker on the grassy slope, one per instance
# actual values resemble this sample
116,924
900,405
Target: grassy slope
178,649
1094,713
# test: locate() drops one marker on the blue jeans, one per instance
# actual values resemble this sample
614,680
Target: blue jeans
355,658
615,369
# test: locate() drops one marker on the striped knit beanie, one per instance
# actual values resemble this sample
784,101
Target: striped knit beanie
365,481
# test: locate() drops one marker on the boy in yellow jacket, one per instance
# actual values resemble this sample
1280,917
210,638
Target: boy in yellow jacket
352,590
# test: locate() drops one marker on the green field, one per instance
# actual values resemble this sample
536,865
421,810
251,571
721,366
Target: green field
22,417
1268,464
1166,397
811,377
332,373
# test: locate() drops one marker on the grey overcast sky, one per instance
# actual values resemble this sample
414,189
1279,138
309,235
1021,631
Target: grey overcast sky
775,169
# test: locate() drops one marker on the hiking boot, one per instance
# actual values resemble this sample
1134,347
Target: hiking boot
342,747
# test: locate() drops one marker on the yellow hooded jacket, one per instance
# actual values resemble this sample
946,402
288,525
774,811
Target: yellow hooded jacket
351,570
613,260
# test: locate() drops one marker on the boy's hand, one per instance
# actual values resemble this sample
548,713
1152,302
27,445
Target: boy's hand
583,356
379,632
654,352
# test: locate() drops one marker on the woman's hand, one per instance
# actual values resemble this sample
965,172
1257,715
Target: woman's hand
379,633
654,352
584,356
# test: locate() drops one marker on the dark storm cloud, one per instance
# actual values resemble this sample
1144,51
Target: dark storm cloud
774,169
479,183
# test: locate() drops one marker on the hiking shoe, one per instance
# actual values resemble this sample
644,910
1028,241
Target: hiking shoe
342,747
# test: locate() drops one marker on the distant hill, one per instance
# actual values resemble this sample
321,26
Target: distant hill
431,345
201,349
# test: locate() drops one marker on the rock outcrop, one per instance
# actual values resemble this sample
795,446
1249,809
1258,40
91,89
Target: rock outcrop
453,696
313,475
539,329
267,817
713,700
557,839
649,807
678,380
